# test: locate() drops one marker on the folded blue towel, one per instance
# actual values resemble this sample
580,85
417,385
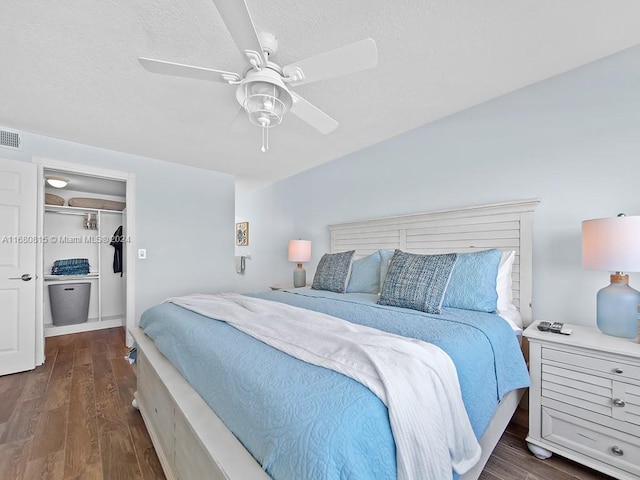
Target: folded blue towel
71,266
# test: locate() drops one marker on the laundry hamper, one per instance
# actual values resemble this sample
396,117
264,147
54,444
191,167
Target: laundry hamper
69,302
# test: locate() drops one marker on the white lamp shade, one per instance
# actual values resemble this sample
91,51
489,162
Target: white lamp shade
611,244
299,251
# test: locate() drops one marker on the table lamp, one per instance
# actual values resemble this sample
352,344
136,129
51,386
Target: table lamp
299,252
613,244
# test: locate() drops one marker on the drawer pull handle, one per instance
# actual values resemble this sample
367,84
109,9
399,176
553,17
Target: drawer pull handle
618,370
618,403
617,451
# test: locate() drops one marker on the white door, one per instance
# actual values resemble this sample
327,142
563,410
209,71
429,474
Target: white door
18,183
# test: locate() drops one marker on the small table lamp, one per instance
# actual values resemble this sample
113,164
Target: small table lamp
613,244
299,252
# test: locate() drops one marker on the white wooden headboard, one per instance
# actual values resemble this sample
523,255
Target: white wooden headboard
507,226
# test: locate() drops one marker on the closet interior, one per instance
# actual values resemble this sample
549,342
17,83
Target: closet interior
83,235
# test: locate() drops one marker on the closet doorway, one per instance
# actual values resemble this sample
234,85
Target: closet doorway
85,256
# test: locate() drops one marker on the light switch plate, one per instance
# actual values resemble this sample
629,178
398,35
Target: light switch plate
142,253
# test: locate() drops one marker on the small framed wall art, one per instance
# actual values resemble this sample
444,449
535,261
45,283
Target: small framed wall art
242,234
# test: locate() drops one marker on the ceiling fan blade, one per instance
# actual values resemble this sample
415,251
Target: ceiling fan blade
351,58
189,71
312,115
236,17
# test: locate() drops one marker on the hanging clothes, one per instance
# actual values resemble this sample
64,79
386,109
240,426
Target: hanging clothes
116,243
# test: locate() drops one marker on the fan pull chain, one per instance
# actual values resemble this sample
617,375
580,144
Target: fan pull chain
265,138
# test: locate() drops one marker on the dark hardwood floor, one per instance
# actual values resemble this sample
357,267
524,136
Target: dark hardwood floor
71,418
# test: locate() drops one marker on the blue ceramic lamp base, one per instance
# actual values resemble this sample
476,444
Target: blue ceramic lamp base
617,310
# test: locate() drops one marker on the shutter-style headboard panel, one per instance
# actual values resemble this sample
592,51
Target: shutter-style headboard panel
507,226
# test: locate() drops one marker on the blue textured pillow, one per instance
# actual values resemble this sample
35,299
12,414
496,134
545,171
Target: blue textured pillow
365,275
417,281
333,272
473,282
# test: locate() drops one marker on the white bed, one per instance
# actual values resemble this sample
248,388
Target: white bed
190,439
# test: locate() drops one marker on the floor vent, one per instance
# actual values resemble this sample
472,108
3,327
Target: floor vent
10,139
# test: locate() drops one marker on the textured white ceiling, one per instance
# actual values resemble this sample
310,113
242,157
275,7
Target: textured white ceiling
69,69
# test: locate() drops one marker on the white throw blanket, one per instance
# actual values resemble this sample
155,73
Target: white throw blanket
417,381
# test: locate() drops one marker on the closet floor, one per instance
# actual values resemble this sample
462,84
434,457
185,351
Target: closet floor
72,418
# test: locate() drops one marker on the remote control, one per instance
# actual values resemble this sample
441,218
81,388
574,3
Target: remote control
565,331
544,326
556,327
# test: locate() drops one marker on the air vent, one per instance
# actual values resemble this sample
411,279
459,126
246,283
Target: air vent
10,139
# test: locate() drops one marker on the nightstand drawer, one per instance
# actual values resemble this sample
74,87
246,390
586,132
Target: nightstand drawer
613,447
597,365
612,398
588,392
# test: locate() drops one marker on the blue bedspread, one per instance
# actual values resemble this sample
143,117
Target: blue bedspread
306,422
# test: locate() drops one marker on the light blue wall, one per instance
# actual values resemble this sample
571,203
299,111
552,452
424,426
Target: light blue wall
184,218
573,141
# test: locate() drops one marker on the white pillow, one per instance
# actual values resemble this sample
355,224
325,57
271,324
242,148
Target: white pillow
506,308
513,318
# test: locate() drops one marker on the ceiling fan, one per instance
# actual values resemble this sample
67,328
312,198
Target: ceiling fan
263,90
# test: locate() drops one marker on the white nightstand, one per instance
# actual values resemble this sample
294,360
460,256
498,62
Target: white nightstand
584,401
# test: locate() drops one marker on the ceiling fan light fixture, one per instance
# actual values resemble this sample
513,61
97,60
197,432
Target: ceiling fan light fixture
265,98
263,105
